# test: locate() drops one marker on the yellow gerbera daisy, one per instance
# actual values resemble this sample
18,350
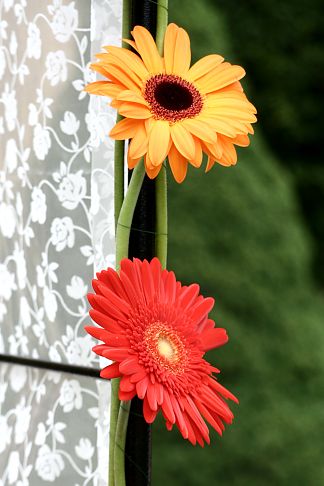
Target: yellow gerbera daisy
171,109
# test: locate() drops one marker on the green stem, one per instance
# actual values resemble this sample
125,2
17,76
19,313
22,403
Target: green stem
120,443
161,239
161,23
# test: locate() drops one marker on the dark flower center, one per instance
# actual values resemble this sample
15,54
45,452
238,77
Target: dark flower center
172,98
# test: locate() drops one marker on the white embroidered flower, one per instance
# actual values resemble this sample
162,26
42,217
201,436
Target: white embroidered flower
10,159
38,206
7,282
10,104
13,467
84,449
34,43
69,125
40,434
95,197
49,464
70,396
32,115
40,276
3,312
2,63
8,4
25,312
3,391
64,22
96,128
77,288
21,268
72,190
50,304
54,355
5,433
56,69
17,378
62,232
79,351
8,219
3,29
41,141
22,422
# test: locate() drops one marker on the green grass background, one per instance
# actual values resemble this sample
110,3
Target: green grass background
252,236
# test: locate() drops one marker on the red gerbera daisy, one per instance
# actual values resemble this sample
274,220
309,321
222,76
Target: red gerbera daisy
157,331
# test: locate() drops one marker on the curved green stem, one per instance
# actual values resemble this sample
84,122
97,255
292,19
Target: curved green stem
120,443
116,455
127,211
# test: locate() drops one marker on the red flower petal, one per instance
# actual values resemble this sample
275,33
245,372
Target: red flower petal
148,413
110,372
213,338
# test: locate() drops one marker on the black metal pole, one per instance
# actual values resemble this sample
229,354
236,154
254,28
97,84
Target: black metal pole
138,455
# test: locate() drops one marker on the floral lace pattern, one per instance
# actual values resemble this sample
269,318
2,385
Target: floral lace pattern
38,411
56,227
56,175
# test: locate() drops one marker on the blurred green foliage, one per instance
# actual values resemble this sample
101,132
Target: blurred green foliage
242,233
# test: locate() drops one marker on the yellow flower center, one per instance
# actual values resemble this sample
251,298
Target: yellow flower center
166,347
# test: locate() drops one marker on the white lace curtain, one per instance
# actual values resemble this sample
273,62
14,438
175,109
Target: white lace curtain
56,227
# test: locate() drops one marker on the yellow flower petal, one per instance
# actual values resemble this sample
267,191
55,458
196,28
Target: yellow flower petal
183,140
212,150
131,97
221,76
210,164
242,140
124,129
204,66
159,139
229,155
182,53
118,75
103,88
135,110
169,43
219,125
197,160
115,63
150,169
178,164
200,129
138,145
132,162
177,53
231,107
147,49
129,59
